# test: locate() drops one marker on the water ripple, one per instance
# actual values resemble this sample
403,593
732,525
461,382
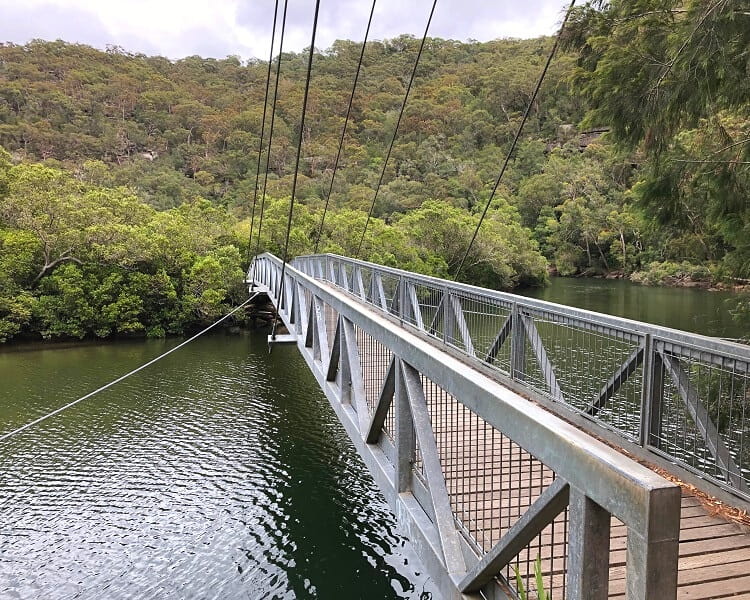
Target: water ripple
221,474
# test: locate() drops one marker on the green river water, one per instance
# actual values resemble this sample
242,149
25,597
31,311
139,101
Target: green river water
221,472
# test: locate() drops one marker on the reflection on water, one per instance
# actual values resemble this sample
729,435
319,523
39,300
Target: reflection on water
219,473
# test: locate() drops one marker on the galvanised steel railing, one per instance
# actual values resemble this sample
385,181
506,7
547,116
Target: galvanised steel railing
681,396
484,482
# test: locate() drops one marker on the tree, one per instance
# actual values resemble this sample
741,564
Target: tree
669,77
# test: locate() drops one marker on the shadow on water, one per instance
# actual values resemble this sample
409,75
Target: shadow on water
219,473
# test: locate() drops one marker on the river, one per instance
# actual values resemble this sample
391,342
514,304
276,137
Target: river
221,472
696,310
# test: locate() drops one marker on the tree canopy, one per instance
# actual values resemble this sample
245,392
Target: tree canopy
126,188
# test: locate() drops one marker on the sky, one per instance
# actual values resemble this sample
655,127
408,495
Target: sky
220,28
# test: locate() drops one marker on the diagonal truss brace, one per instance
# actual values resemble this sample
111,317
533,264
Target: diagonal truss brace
318,325
359,284
385,400
541,357
541,513
702,419
311,327
618,379
352,381
316,336
444,519
379,295
463,328
333,361
502,336
414,305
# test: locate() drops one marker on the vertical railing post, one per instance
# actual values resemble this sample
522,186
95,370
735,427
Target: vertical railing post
405,436
373,289
402,298
652,394
517,345
653,554
448,317
588,548
443,307
344,276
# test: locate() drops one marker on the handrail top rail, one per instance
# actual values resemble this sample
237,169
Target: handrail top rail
678,336
612,476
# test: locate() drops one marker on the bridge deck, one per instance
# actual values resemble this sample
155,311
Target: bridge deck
492,482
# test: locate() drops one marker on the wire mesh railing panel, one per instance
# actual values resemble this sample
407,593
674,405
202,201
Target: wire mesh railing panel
301,264
456,331
550,548
492,482
424,308
386,290
365,277
332,270
703,407
375,358
482,328
321,269
347,277
308,301
598,372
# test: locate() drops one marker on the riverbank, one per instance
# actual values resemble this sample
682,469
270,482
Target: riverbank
671,274
688,275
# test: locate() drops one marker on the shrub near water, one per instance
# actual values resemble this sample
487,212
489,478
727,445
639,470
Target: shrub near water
671,273
79,260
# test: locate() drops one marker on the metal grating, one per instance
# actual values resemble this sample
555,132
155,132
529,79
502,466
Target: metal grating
492,482
375,359
704,413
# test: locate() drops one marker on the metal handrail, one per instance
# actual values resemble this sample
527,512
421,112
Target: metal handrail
714,344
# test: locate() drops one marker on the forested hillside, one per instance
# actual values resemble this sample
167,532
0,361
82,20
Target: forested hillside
129,175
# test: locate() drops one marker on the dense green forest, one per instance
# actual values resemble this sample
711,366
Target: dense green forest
126,183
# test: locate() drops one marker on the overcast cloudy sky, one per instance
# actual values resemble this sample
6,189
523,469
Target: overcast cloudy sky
218,28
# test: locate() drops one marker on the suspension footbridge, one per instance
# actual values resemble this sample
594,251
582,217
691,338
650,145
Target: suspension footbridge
512,436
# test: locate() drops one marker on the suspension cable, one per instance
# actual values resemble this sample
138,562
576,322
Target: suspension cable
395,131
280,295
343,131
260,143
517,136
57,411
270,132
